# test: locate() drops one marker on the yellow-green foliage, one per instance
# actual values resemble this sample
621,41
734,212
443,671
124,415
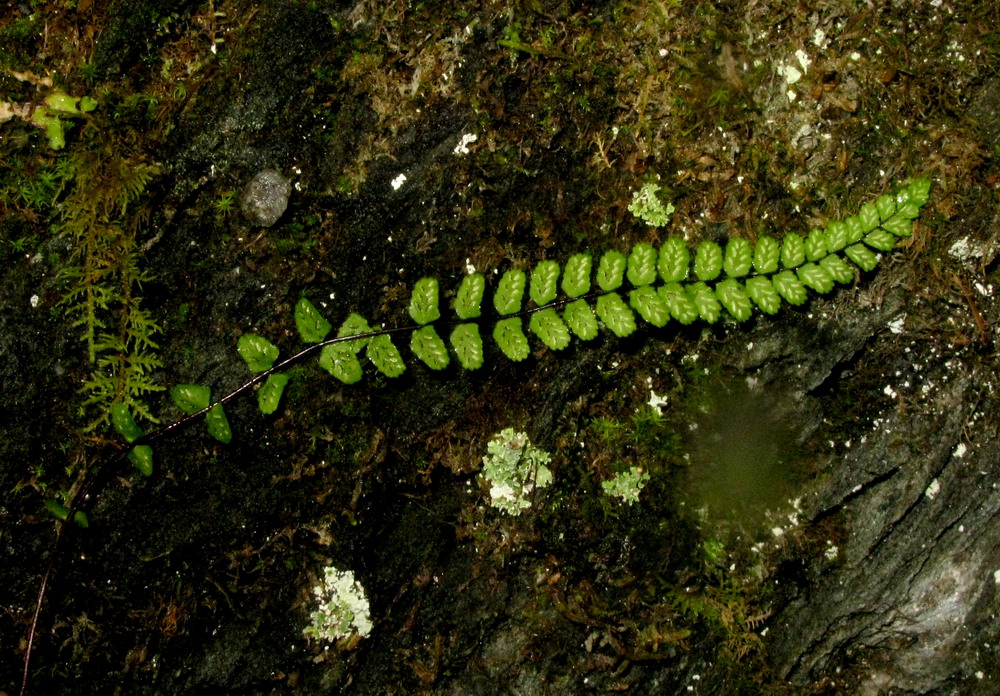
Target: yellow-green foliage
104,279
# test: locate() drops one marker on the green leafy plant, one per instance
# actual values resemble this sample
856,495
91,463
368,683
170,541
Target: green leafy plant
666,284
663,285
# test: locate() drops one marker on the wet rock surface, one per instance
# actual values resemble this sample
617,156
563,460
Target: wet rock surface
822,514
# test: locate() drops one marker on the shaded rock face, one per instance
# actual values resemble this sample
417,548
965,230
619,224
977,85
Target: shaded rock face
905,597
265,198
874,408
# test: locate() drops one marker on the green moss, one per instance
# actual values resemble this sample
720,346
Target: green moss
299,237
20,39
103,279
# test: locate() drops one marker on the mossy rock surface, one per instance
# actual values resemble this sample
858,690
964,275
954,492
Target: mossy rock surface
870,406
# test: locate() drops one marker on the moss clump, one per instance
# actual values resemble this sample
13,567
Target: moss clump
104,278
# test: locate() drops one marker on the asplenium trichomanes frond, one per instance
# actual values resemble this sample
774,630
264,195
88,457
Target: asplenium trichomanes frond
664,284
669,283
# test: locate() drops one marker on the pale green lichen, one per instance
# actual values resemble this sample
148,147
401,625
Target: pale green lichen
647,206
626,484
513,468
343,607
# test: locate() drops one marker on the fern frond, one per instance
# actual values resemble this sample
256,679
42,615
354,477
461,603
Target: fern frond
670,283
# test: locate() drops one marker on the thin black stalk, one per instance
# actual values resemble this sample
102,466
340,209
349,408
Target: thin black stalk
111,463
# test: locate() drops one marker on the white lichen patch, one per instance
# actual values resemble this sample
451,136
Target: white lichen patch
933,489
656,401
513,468
966,250
463,145
804,60
647,206
343,608
626,484
896,325
789,73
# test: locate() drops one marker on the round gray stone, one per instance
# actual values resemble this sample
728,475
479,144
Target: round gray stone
265,198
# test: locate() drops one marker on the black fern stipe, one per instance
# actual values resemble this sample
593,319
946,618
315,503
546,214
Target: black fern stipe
657,286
